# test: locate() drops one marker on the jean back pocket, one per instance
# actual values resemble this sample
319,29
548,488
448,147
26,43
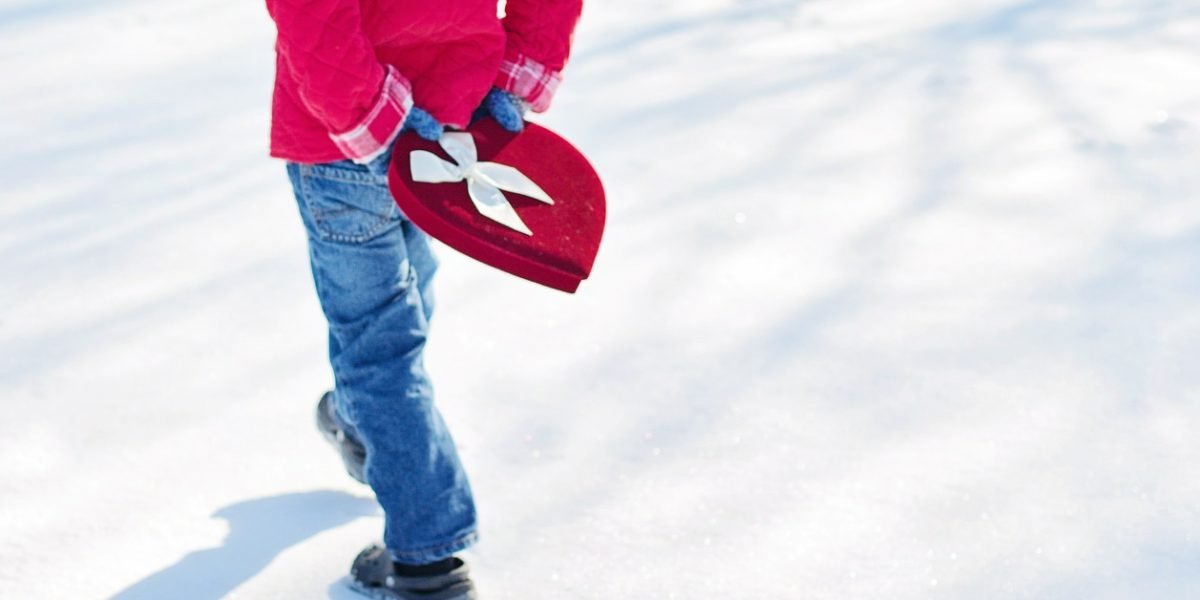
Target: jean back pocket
347,202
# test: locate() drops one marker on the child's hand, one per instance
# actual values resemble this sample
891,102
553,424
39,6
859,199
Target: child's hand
507,109
423,124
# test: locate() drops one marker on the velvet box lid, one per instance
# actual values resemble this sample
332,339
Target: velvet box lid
563,237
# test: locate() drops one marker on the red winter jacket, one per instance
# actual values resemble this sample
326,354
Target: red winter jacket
348,71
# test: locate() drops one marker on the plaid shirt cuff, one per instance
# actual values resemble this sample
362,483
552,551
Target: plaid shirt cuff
372,136
529,80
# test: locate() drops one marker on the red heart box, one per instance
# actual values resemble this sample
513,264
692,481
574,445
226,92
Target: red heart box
566,235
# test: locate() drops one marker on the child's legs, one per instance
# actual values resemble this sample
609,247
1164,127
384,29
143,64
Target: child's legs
372,271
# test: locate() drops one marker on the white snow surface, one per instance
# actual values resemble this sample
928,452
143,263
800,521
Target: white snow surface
897,300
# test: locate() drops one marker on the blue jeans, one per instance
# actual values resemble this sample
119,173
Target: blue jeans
373,270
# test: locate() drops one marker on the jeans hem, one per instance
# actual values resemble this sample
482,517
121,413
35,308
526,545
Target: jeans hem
436,552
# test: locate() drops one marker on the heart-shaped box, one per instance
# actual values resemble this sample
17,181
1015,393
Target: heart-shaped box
564,236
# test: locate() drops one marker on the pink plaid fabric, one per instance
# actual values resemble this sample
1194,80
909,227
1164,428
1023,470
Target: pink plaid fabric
529,80
379,128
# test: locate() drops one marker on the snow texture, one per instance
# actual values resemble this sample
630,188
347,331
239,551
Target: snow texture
898,301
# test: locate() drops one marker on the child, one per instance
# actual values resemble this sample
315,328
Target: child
351,74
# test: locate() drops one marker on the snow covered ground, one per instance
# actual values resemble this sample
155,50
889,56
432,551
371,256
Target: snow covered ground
898,301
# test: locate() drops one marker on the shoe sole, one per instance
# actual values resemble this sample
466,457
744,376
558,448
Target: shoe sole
382,593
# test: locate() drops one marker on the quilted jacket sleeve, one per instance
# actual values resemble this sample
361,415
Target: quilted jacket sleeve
361,102
539,42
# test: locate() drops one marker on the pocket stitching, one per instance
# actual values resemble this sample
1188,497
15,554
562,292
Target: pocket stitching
319,216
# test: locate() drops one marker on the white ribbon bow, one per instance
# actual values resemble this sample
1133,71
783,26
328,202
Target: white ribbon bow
484,179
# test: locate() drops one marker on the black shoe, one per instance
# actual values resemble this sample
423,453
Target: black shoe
353,454
375,575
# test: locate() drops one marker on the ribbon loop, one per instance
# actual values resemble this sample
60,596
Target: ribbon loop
460,145
434,169
485,180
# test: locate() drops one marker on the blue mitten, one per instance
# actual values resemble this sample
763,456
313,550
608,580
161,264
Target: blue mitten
423,124
507,109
